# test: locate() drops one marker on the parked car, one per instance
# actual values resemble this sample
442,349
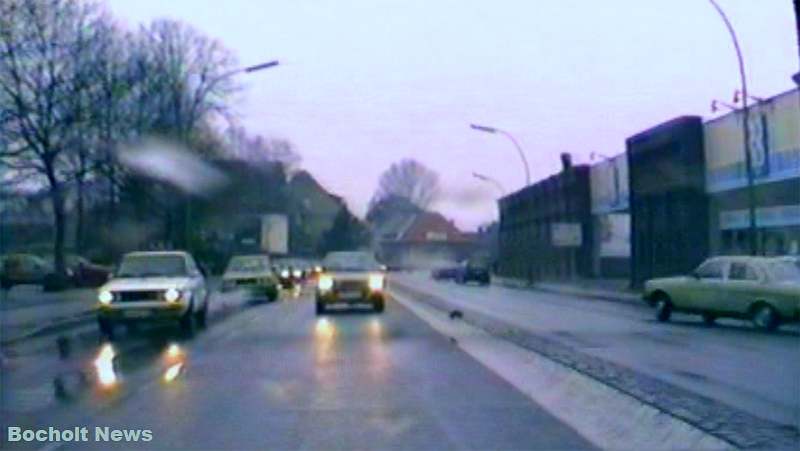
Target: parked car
154,287
761,289
80,272
473,271
252,274
351,278
23,269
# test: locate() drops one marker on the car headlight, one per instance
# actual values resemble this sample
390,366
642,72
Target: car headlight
105,297
297,273
285,273
318,269
172,295
325,283
376,282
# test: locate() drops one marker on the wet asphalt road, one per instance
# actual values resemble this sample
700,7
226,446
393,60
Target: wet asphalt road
276,376
731,362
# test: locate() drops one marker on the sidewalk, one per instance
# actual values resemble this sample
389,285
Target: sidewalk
28,311
606,289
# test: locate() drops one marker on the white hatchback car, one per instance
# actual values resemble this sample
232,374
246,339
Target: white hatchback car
154,287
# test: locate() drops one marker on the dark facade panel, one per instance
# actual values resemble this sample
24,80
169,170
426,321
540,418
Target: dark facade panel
669,208
525,236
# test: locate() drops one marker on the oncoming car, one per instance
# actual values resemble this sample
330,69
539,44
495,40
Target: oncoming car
761,289
253,274
350,278
154,287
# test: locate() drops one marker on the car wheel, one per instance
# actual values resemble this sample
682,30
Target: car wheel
320,308
765,317
663,308
187,323
6,284
378,306
106,327
709,319
272,294
202,316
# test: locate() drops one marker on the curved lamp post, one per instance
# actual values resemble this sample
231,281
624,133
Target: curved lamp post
487,129
748,159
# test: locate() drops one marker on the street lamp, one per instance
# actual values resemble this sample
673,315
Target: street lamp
488,179
748,159
487,129
247,69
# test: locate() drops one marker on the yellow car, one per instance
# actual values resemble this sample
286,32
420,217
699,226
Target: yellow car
762,289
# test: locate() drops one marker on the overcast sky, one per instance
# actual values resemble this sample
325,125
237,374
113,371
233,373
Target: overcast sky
365,83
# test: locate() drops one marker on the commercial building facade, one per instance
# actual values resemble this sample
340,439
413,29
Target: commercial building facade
546,228
774,126
678,195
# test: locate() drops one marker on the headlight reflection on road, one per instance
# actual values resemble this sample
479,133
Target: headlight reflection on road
375,328
173,372
175,360
104,366
324,345
324,329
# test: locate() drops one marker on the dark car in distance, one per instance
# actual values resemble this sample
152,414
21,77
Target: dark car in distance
473,271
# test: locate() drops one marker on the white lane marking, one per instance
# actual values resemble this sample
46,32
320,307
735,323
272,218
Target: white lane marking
603,415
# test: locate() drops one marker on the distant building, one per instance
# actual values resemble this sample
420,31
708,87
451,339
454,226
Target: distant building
312,212
546,228
422,240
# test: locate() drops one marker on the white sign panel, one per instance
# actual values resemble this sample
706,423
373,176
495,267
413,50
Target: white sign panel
615,235
566,234
275,234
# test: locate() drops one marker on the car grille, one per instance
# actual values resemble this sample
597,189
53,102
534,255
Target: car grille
350,285
134,296
246,281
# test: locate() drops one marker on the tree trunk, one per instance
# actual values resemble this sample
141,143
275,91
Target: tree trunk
57,201
79,209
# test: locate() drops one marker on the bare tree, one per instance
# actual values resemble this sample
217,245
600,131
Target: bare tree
256,148
410,180
38,85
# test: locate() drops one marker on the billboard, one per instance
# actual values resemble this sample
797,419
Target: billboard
615,235
567,234
609,185
275,234
774,144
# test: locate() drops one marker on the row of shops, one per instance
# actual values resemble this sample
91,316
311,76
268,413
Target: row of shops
677,195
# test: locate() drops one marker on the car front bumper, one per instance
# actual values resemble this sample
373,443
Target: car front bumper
142,311
362,297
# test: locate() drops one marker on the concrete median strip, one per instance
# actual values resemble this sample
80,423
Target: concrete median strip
611,405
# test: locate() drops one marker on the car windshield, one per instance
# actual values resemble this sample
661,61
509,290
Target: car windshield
783,271
350,261
248,264
152,266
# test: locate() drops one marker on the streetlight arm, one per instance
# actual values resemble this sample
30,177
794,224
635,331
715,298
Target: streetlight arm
490,180
521,155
